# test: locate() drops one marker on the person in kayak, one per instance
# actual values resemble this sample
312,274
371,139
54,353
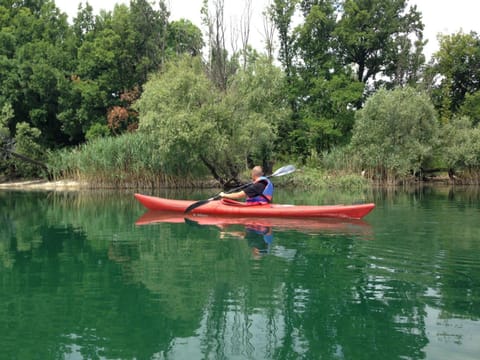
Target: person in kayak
259,192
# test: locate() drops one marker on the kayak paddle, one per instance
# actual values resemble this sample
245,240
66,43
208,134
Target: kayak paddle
285,170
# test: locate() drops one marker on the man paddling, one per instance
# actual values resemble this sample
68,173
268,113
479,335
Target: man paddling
259,192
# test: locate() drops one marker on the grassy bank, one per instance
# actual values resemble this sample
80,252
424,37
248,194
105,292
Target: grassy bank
128,161
134,161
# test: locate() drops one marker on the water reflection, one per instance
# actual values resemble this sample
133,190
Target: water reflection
308,226
259,232
81,281
259,238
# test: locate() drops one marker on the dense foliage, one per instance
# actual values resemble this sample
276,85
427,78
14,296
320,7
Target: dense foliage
461,148
197,125
340,52
395,133
100,77
454,75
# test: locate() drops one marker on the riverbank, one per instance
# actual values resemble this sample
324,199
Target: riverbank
305,178
43,185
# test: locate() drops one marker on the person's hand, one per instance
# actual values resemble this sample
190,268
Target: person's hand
222,194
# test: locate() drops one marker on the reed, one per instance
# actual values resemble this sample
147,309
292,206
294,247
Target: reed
133,160
320,178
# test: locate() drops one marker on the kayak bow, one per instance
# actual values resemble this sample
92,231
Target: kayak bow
227,207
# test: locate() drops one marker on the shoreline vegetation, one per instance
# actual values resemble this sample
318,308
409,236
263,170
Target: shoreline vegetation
130,101
306,179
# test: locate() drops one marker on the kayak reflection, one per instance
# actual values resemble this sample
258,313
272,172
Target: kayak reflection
309,226
258,237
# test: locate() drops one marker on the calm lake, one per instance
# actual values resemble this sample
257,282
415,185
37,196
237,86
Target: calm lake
89,275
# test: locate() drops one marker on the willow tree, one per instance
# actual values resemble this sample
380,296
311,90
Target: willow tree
201,129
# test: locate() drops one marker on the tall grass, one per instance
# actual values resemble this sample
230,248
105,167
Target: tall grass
311,177
344,168
348,165
334,169
131,160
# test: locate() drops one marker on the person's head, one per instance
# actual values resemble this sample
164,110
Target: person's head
257,171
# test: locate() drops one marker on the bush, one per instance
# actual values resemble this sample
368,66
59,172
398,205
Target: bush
461,144
97,130
26,145
395,133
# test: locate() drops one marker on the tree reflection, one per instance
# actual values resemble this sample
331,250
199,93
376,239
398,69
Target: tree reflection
80,280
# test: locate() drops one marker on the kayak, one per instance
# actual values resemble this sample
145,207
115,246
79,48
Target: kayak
306,225
227,207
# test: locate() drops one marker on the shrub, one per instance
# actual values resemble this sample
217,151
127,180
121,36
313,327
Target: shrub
461,144
395,133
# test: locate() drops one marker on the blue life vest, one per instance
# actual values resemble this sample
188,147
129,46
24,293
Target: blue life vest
267,194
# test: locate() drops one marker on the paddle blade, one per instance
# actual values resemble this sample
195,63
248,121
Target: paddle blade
285,170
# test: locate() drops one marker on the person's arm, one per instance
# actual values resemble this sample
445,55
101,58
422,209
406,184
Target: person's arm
235,196
255,189
250,191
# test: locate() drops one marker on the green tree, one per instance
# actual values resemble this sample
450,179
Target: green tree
471,107
19,155
293,132
260,109
314,37
173,106
29,151
184,38
84,23
81,105
460,144
149,30
395,133
381,37
37,54
201,128
117,51
10,84
327,90
328,111
455,72
281,13
340,47
6,142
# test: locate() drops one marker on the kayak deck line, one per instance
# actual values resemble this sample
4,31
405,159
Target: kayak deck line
235,208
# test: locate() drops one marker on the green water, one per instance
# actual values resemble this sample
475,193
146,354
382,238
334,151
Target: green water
80,280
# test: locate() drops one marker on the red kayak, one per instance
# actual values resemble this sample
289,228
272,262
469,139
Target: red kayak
226,207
